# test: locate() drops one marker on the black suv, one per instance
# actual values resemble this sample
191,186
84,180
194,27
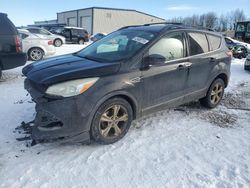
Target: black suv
97,92
73,34
11,54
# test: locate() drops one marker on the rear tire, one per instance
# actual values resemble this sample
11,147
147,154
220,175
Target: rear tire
112,121
58,42
81,41
214,95
35,54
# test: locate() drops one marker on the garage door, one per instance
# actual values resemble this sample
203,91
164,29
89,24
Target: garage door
86,23
71,21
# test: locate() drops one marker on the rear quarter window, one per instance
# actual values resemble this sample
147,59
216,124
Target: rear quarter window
214,42
6,26
198,43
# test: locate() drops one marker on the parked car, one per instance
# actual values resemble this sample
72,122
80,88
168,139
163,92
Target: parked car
11,51
97,92
35,46
73,34
239,49
58,40
97,36
247,63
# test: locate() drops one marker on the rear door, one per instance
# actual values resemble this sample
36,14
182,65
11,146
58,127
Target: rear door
167,81
202,61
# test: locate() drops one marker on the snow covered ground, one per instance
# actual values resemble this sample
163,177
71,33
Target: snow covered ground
188,146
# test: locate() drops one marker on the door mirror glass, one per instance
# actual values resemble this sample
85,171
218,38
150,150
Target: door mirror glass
153,60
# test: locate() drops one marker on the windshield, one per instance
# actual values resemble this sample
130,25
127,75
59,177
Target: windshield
117,46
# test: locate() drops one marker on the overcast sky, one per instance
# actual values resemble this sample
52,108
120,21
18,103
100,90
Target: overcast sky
23,12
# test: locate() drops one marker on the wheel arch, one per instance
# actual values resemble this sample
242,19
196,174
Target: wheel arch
120,94
44,51
224,77
57,38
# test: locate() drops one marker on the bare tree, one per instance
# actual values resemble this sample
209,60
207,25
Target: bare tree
210,20
238,15
223,23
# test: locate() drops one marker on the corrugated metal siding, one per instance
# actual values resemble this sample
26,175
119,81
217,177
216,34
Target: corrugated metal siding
85,15
107,21
63,17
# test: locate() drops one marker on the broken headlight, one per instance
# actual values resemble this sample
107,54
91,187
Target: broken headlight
71,88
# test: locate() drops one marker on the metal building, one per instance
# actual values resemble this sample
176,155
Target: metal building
105,20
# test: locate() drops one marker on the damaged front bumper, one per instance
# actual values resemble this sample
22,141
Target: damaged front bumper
65,119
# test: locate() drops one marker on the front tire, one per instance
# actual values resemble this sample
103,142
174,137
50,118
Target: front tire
36,54
112,121
214,94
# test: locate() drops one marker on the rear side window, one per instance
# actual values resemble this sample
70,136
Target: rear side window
198,43
23,36
36,31
214,42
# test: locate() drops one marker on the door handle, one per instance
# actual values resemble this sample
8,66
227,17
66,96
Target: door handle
184,65
212,60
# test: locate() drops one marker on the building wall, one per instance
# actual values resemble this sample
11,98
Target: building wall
85,19
108,20
105,20
64,17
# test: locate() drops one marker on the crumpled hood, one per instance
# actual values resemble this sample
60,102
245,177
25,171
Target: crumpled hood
67,67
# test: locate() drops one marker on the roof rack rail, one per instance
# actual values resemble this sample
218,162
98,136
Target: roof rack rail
160,23
171,23
200,27
156,23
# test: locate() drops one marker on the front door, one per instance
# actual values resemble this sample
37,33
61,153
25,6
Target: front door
166,82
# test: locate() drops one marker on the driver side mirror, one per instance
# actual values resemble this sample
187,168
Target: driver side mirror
153,60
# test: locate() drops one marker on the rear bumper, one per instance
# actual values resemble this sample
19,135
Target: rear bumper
51,50
11,61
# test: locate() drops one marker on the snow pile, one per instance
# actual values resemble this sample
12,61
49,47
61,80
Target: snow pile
188,146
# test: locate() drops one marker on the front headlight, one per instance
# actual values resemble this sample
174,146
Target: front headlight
71,88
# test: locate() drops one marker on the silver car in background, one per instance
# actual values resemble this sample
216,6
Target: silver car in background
35,46
58,40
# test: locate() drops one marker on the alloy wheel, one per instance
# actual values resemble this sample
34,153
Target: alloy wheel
113,121
36,54
216,93
58,43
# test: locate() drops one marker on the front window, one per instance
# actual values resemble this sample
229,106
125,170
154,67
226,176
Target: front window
117,46
170,47
248,27
240,27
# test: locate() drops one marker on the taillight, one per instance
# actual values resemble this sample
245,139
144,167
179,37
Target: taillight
18,44
229,54
50,42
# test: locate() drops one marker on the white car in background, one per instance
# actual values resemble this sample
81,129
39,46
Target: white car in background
35,46
58,40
